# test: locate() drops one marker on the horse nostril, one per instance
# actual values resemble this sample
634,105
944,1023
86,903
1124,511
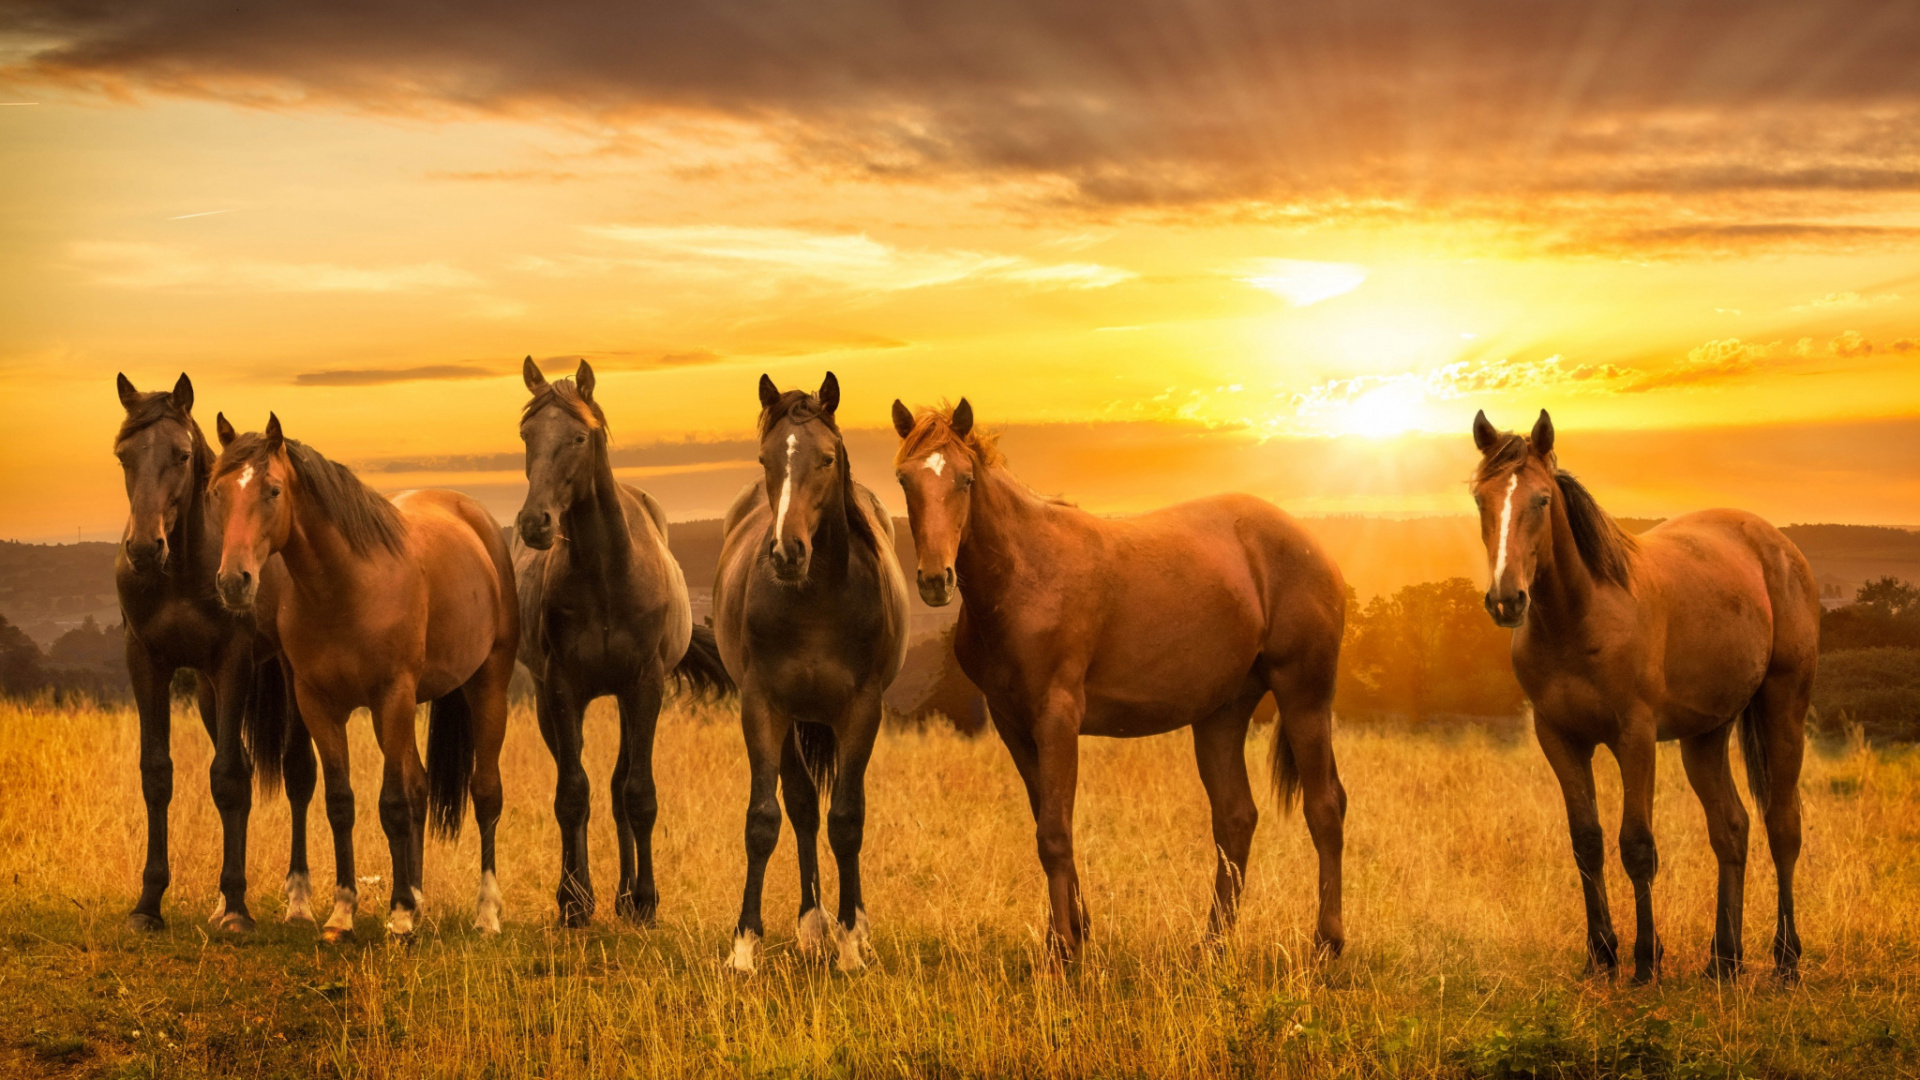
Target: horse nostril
246,578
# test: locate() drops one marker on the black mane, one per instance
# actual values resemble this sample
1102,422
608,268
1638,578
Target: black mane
364,517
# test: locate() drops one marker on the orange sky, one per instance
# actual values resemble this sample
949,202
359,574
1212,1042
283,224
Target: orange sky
1209,245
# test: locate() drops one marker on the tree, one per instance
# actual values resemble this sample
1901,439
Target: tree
21,672
1427,649
1890,596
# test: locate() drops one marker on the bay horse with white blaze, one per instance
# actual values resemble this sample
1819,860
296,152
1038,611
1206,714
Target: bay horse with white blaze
1704,621
164,572
1183,617
810,610
383,605
603,609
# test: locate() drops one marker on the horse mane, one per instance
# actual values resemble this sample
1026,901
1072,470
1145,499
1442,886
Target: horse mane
364,517
926,435
564,393
156,406
1603,545
801,407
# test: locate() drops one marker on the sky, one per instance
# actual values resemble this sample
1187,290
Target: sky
1168,248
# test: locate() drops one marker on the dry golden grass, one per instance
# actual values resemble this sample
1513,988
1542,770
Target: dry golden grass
1462,912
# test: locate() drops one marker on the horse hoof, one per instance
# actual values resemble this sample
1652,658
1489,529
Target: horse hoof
742,957
140,920
1721,968
855,944
334,935
235,922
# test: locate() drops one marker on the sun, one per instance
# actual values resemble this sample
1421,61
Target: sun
1393,409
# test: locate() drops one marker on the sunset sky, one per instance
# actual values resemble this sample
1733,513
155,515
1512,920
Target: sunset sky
1171,248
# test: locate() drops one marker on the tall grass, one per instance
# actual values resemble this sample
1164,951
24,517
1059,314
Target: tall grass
1462,912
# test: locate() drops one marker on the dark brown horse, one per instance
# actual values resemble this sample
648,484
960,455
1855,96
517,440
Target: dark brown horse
810,610
164,571
1184,617
383,605
1705,619
603,610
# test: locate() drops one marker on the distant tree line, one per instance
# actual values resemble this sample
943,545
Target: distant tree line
1870,664
88,661
1428,652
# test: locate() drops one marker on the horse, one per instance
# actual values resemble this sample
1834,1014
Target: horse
1127,627
382,604
164,571
810,611
603,610
1706,619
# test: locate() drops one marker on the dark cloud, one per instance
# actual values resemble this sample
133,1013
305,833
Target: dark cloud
1123,101
383,376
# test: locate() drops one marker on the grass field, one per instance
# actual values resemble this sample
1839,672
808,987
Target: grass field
1462,912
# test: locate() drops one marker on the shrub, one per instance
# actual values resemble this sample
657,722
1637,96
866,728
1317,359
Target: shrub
1878,689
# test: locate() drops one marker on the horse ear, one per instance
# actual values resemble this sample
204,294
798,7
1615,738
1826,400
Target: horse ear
224,430
829,394
769,393
583,378
902,419
128,395
530,372
274,438
962,418
1542,437
183,394
1485,438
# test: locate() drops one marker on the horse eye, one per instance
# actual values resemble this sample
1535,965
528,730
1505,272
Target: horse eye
273,492
1541,499
827,462
578,439
965,482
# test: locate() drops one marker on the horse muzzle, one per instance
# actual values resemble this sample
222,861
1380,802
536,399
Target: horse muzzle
237,589
1508,611
790,560
535,530
936,589
147,555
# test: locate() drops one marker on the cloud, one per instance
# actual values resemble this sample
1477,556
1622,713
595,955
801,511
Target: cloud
383,376
855,261
164,268
1126,104
1300,282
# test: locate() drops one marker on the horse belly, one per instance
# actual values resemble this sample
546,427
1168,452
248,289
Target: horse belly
1718,634
1171,653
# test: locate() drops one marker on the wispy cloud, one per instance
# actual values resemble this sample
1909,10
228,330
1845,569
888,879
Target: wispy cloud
855,261
163,268
384,376
202,213
1300,282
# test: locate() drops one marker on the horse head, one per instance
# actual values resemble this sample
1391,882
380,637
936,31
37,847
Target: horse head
161,452
252,493
1514,487
936,465
566,436
806,468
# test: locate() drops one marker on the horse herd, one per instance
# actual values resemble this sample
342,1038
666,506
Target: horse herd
298,595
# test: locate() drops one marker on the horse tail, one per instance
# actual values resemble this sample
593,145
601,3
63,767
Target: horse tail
819,752
264,723
1753,747
700,672
450,754
1286,772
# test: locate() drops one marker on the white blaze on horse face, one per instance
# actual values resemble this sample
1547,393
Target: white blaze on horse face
1506,526
786,487
936,462
246,476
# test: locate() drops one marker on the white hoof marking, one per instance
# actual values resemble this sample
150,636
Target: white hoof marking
812,937
343,904
744,945
855,943
219,909
299,898
400,922
486,915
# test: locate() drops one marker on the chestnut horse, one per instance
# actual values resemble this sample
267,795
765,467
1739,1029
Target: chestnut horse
603,607
164,571
810,610
1183,617
1703,620
382,605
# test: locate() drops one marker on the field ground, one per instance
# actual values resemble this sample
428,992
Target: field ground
1462,912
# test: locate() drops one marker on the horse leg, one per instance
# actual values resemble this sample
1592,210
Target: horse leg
847,824
1572,765
1780,712
639,898
1057,745
1219,747
622,825
561,720
487,706
299,773
765,733
802,798
1711,774
152,692
1303,694
328,728
1638,855
231,779
403,804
